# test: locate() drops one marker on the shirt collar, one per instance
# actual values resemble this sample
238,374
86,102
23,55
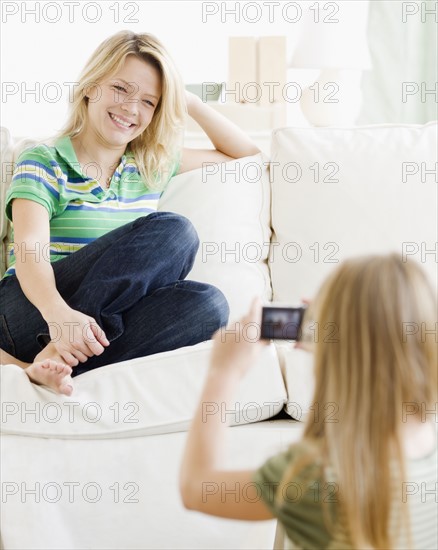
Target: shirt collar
64,147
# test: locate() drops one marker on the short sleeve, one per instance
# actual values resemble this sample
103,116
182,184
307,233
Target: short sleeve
34,178
300,509
175,166
269,476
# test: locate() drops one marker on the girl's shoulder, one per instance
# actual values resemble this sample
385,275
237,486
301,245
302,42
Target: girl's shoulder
304,460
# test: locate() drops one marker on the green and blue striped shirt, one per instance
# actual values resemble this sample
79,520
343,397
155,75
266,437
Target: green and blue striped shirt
80,210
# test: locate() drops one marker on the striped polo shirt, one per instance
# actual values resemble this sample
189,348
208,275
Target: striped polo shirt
80,210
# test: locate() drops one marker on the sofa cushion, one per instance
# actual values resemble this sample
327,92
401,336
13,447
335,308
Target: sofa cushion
145,396
341,192
229,205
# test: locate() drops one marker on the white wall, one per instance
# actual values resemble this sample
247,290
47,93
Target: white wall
36,51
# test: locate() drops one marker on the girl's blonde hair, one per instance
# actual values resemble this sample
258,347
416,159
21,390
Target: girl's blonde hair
156,149
377,363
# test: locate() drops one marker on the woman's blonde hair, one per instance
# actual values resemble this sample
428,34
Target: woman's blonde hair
156,149
379,364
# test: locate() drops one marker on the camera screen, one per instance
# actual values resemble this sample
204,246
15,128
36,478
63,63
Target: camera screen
282,323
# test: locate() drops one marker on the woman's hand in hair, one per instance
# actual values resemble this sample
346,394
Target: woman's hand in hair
237,347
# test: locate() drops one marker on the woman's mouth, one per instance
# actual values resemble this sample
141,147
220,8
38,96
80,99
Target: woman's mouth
120,122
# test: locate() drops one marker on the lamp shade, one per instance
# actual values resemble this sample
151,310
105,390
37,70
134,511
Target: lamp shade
334,40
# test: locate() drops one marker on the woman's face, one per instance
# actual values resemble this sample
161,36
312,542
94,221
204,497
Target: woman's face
122,106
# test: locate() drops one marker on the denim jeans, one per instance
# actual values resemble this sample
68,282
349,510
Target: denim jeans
131,281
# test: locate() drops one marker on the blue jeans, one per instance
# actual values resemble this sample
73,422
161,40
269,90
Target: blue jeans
131,282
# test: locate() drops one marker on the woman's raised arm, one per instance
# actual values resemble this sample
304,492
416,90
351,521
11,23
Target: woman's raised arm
229,140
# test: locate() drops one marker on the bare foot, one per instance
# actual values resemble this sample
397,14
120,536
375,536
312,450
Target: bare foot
48,369
52,374
50,352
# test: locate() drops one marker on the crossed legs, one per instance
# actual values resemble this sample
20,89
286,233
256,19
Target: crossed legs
131,281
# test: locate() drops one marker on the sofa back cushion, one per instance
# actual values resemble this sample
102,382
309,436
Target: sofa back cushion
341,192
229,205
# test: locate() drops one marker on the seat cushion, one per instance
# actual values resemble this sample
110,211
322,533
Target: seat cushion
150,395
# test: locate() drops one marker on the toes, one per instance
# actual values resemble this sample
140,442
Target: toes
66,389
65,370
56,367
51,373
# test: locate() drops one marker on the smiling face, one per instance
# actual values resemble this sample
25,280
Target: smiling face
123,105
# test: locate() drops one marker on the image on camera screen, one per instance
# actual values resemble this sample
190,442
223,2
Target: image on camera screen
282,323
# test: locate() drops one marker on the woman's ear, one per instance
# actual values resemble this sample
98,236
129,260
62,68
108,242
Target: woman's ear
92,92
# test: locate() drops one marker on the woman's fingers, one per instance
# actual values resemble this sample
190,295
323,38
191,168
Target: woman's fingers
91,334
99,333
68,358
80,356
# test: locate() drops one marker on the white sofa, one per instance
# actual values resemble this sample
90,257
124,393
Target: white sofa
99,469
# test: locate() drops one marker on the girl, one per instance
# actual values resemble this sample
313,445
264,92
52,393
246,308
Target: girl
113,287
375,466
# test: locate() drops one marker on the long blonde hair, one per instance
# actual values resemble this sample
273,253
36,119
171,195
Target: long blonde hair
379,359
156,149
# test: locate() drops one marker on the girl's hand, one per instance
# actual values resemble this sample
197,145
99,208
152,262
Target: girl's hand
237,347
304,344
76,336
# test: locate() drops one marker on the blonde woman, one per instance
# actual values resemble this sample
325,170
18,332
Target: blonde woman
368,479
113,285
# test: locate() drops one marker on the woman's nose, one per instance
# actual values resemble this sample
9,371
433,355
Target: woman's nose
130,106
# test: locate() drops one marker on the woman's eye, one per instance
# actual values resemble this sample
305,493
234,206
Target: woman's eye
149,102
119,88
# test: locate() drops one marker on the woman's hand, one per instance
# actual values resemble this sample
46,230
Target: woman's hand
237,347
76,336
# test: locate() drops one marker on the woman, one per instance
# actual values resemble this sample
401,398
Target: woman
112,287
367,478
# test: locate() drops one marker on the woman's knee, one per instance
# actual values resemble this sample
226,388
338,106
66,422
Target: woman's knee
180,227
215,310
220,305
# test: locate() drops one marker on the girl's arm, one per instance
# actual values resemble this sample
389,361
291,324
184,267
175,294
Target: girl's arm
229,140
204,485
37,280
